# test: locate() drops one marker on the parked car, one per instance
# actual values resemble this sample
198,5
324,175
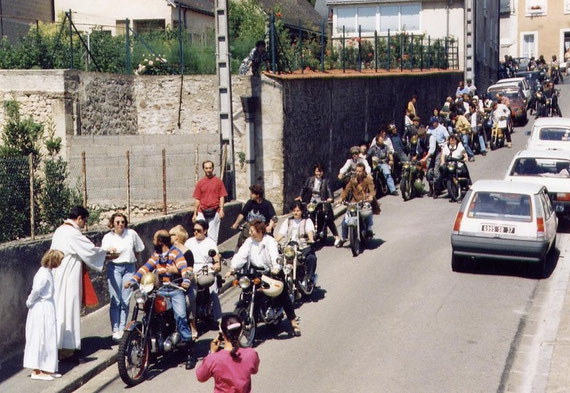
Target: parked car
516,97
549,133
522,63
550,168
520,82
502,220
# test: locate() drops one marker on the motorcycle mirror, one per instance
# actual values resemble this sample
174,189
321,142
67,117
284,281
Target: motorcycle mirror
212,253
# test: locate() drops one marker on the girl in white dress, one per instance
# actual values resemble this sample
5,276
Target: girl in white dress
40,353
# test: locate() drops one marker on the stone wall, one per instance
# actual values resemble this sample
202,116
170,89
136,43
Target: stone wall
21,260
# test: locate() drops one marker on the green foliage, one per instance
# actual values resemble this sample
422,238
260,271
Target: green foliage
247,26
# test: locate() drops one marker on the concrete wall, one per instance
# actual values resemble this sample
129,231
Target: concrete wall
21,260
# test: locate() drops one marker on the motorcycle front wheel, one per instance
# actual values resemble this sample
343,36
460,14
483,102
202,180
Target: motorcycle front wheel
247,335
133,357
354,241
405,189
454,190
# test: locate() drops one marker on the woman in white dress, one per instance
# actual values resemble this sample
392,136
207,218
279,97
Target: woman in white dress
40,353
127,244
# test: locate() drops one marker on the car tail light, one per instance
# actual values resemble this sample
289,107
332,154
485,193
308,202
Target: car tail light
457,224
561,196
540,227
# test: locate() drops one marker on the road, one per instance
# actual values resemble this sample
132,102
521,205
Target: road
397,319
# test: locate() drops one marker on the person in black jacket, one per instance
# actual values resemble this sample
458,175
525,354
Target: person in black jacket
317,188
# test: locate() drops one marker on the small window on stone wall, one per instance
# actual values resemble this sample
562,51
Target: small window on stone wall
148,25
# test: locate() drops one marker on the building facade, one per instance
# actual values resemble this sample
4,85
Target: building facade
16,16
143,15
536,27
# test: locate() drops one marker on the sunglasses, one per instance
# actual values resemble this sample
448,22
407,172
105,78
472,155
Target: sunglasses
119,222
198,230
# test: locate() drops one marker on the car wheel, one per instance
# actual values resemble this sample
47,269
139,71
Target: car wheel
457,263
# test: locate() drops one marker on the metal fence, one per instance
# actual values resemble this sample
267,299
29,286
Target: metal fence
137,184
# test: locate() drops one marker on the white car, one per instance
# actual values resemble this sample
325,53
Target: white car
520,82
549,133
550,168
504,220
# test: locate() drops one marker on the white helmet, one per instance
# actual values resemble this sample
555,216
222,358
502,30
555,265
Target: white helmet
270,286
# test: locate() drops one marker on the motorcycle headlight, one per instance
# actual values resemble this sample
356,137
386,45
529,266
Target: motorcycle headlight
367,205
140,296
406,165
451,166
147,288
311,207
352,209
244,282
289,252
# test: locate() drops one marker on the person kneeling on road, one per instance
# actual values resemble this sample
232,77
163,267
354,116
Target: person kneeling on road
169,263
361,187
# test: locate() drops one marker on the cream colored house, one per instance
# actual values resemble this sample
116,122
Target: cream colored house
536,27
143,15
16,16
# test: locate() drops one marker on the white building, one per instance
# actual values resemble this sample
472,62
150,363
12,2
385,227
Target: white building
144,15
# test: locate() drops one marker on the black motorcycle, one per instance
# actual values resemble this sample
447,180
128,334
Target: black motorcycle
204,280
318,213
296,272
155,334
257,302
355,215
455,178
380,183
412,182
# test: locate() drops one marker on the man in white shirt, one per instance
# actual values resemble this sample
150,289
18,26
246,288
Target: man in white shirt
500,116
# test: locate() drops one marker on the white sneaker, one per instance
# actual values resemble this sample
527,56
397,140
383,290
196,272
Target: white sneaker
117,335
42,377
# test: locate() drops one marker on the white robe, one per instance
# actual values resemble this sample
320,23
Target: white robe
41,340
76,248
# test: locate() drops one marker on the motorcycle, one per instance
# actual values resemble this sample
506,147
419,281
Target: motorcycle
411,184
556,75
380,183
355,216
204,280
318,213
155,334
497,137
256,302
456,184
295,269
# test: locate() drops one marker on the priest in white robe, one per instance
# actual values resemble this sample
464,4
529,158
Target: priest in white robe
68,283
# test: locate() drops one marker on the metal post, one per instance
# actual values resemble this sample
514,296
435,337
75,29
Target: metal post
429,53
31,169
84,179
128,185
412,51
422,55
300,38
70,40
343,49
376,50
128,49
272,39
388,46
359,49
401,52
164,210
323,46
446,58
438,46
180,48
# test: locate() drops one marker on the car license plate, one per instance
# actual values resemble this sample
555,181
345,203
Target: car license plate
498,229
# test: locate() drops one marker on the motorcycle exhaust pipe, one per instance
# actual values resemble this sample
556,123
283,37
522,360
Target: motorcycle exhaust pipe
171,341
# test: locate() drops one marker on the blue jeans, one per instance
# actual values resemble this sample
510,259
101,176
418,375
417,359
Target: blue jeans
482,142
179,307
368,222
216,305
388,175
117,275
466,140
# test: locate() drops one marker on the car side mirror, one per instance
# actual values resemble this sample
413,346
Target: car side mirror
527,133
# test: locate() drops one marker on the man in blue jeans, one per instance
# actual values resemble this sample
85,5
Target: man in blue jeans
476,121
385,161
169,263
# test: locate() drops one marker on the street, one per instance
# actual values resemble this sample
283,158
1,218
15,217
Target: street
397,319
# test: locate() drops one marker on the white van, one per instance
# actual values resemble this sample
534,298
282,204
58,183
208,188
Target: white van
521,82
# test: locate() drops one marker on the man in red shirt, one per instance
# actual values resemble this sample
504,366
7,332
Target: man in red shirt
209,195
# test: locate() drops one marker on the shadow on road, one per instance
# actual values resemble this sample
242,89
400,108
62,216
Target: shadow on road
563,225
373,244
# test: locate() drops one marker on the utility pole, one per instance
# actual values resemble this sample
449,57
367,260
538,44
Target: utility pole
223,70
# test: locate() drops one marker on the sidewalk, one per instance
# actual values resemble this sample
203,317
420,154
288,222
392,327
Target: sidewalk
99,351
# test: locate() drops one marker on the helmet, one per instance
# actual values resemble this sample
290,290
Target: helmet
354,150
271,286
419,186
205,280
149,281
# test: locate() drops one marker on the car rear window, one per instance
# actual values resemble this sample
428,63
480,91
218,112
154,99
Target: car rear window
543,167
499,205
554,134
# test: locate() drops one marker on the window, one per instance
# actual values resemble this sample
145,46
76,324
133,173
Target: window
400,17
148,25
501,206
505,7
528,45
535,7
567,6
367,19
346,17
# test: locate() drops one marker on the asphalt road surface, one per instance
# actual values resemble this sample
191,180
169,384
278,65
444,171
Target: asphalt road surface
396,318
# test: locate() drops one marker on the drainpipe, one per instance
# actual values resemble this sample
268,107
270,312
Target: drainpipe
250,107
447,22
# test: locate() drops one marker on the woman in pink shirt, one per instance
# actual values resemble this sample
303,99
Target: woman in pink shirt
232,366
